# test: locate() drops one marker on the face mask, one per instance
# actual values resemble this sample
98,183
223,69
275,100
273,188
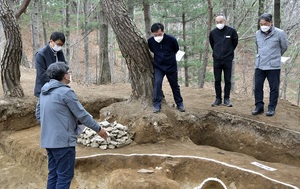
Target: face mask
57,48
265,28
220,26
158,39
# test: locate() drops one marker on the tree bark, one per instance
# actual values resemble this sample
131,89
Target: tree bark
205,56
261,8
12,55
147,18
67,32
86,42
104,75
35,30
134,49
22,9
186,67
277,19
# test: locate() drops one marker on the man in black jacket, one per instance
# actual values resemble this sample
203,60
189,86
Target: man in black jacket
223,41
164,48
49,54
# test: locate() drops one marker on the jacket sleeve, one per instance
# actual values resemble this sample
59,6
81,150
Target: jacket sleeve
235,39
211,41
79,112
41,68
176,46
283,42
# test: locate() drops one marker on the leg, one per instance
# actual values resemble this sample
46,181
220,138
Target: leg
259,79
173,81
227,78
273,77
217,76
52,176
65,164
158,94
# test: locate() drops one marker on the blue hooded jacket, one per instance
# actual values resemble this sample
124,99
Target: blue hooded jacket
58,111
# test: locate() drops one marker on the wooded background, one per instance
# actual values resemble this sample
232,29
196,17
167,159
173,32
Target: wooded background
105,39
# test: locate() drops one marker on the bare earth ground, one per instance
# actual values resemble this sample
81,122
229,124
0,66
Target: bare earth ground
23,163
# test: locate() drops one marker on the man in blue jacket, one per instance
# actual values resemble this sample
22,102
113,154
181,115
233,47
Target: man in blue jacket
271,43
47,55
223,41
58,111
164,48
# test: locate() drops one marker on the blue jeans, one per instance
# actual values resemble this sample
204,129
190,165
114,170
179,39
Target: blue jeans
61,164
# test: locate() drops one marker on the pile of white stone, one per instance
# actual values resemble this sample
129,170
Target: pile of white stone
118,136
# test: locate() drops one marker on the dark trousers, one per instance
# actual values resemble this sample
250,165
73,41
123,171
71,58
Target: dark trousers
226,67
273,77
61,164
173,81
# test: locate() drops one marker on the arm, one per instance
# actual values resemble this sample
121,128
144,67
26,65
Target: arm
211,41
283,42
37,111
235,39
176,46
41,68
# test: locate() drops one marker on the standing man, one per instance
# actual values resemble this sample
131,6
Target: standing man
164,47
271,43
47,55
223,41
58,111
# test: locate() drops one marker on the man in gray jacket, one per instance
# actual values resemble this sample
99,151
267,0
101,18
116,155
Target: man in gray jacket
271,43
59,111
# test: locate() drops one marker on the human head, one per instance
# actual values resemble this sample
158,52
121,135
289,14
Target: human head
157,29
265,22
59,71
57,39
220,22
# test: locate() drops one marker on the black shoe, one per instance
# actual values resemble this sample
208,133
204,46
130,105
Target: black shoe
270,112
227,102
181,108
257,111
217,102
156,110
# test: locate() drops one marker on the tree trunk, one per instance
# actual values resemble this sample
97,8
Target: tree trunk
130,8
35,30
42,7
12,55
86,42
104,75
67,32
147,18
205,56
134,49
233,62
261,8
22,8
186,67
277,19
77,71
112,54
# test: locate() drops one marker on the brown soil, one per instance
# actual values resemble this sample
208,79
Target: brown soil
203,142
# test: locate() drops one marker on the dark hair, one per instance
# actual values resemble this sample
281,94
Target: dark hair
57,70
156,26
58,36
266,16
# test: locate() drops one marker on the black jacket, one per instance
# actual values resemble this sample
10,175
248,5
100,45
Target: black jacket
223,42
43,58
164,53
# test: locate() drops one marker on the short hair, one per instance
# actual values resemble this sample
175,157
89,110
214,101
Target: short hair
57,70
156,26
266,16
58,36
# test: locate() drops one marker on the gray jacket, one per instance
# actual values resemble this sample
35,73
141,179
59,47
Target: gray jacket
270,48
58,111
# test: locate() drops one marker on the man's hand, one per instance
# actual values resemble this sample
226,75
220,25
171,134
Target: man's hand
102,133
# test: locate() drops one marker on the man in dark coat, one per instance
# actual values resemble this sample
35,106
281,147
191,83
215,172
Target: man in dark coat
164,48
223,41
49,54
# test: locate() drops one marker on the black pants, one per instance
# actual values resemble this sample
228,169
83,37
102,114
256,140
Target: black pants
226,67
173,81
273,77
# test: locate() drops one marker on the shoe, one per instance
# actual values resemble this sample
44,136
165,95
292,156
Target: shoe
227,102
270,112
156,110
181,109
257,111
217,102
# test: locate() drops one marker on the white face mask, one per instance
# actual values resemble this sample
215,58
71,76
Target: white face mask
57,48
220,26
265,28
158,39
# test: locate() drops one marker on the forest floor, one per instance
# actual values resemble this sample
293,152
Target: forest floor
23,163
